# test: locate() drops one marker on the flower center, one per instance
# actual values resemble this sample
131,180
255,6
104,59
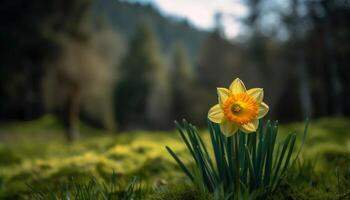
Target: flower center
240,108
235,108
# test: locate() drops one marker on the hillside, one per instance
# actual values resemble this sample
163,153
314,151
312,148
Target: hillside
125,18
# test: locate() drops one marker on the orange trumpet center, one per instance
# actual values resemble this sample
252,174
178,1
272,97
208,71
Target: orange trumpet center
240,108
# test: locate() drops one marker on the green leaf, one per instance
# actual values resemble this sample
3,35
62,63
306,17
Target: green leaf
278,166
307,122
180,163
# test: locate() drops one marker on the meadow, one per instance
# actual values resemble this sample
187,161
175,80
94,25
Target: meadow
131,67
35,159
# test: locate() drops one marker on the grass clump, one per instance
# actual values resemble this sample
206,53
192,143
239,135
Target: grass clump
91,189
240,166
180,192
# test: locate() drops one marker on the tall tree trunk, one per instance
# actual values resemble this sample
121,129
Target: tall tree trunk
336,85
302,71
71,115
304,84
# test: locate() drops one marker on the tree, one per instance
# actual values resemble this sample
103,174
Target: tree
97,105
53,58
77,71
215,61
24,48
336,84
181,84
140,93
299,57
326,38
78,68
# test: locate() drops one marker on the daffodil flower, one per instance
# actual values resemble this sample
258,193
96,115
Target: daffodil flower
238,108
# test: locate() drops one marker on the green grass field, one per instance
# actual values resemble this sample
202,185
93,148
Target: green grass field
35,156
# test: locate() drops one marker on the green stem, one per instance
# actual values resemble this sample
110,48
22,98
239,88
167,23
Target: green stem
238,177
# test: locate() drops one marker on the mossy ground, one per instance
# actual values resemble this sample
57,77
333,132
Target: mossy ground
36,155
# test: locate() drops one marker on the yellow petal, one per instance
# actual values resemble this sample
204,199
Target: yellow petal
228,128
250,127
216,114
237,86
263,109
257,94
223,94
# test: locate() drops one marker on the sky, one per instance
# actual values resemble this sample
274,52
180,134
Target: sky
201,13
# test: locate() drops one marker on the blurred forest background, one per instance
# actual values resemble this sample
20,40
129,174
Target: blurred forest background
119,65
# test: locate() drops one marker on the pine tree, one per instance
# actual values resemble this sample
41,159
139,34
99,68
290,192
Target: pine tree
142,82
181,84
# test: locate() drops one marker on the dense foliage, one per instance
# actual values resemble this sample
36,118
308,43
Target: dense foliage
300,56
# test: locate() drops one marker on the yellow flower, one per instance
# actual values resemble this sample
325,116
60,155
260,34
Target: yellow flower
238,108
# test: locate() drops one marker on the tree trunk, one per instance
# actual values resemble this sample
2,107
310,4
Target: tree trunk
335,82
302,71
71,116
304,84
